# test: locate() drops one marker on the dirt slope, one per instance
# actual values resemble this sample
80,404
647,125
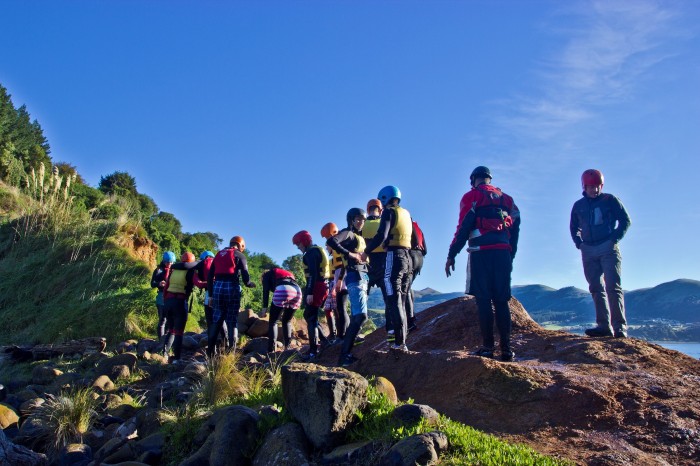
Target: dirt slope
595,401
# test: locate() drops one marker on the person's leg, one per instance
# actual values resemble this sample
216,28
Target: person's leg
272,329
178,328
311,318
218,315
485,321
612,271
402,276
232,317
341,303
168,311
593,271
287,315
161,321
330,321
357,291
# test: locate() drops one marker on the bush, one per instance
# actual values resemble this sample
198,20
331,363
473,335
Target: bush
66,418
108,212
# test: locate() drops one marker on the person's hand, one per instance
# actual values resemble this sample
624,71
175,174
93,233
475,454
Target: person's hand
161,284
449,266
309,300
355,256
338,286
263,312
364,257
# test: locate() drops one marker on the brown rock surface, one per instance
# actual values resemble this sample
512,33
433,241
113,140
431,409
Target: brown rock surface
591,400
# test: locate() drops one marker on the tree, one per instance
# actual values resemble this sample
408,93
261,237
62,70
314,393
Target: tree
199,242
147,206
119,183
66,169
295,265
165,223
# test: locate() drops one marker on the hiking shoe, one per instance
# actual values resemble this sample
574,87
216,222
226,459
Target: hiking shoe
507,355
598,332
620,334
358,341
400,348
484,352
347,360
390,337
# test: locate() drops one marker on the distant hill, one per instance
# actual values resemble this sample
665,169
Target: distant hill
678,300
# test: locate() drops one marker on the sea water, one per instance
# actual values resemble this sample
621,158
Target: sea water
690,348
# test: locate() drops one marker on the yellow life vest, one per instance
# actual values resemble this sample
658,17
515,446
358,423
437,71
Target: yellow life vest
178,281
324,269
400,233
369,231
338,260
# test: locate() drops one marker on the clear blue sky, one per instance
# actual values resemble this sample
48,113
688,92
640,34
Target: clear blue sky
263,118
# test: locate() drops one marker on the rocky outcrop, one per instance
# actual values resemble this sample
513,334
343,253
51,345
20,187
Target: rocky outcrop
16,455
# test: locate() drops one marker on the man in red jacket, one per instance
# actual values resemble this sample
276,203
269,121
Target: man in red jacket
489,221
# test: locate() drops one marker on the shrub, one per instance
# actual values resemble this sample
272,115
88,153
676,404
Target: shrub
66,418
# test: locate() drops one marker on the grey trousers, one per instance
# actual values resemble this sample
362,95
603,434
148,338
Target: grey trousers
602,265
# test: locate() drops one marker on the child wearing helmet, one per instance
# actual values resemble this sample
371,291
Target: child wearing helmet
377,259
394,233
317,272
351,245
177,289
224,286
336,303
158,281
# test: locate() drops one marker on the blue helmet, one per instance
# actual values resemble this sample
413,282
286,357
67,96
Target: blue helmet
168,256
206,254
387,193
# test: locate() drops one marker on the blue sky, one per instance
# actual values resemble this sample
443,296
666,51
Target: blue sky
263,118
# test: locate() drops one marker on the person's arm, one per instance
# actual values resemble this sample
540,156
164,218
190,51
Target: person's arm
382,231
189,281
243,267
155,279
198,278
623,220
210,280
313,262
574,228
467,217
514,230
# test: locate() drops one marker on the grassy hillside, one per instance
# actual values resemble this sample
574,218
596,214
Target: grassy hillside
67,275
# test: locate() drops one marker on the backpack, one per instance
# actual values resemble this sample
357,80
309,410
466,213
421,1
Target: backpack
225,262
417,240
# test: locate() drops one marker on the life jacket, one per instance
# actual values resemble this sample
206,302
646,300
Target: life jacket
280,274
400,233
204,270
225,262
417,240
490,213
176,283
369,231
337,260
324,270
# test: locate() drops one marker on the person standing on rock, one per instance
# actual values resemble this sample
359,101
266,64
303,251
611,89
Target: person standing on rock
317,272
339,294
286,299
377,260
598,222
224,287
394,232
349,243
489,221
177,289
158,281
419,249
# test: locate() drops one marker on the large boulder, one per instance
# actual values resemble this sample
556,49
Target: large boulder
413,414
8,416
44,375
323,400
75,454
383,385
421,449
368,452
283,446
233,422
258,328
16,455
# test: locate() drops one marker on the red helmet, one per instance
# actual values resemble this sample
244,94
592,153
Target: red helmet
329,229
592,177
187,257
239,241
303,238
374,203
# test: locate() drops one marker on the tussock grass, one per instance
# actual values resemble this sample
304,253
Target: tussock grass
223,381
66,418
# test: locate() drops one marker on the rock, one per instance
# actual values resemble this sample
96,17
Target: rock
124,411
17,455
28,407
413,414
246,317
126,346
149,421
353,453
195,371
104,367
75,454
103,383
283,446
115,450
422,449
26,395
148,346
153,444
67,380
323,400
92,360
44,375
256,346
120,371
8,416
383,385
190,343
128,430
31,433
95,438
232,422
112,400
258,327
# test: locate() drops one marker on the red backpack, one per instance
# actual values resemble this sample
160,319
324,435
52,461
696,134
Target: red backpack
417,240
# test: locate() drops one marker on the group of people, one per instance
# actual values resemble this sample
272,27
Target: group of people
384,247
